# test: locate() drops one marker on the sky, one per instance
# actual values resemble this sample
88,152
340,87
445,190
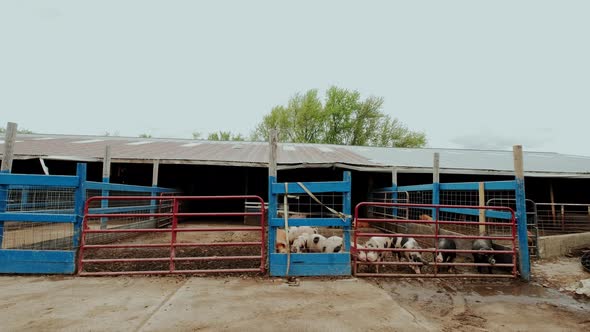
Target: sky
470,74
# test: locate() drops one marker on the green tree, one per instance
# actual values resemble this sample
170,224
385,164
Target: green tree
225,136
18,131
343,118
145,135
196,135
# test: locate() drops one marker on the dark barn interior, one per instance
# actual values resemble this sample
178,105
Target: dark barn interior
213,180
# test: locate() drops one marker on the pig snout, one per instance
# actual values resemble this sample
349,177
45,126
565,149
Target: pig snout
439,258
492,260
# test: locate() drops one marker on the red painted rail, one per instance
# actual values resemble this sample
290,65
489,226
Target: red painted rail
435,224
173,231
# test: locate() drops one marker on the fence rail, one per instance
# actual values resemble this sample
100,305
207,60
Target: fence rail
562,218
174,262
429,232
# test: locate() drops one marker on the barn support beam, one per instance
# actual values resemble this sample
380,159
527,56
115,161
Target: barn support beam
155,173
106,178
435,182
9,141
272,179
394,195
525,267
79,203
482,212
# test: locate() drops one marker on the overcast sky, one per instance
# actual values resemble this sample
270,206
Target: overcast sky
472,74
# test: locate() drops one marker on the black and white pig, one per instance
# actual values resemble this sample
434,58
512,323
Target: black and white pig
411,256
446,257
483,244
332,244
377,242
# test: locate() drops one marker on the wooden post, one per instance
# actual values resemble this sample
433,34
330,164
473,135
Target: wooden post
155,172
106,178
272,199
394,177
523,246
482,212
436,168
435,183
552,197
79,202
562,218
272,157
106,163
9,140
394,194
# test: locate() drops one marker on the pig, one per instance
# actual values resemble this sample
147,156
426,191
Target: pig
446,257
295,232
300,243
281,242
377,242
360,255
483,244
332,244
315,243
411,256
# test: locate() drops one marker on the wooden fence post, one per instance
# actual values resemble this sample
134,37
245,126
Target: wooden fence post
482,212
524,259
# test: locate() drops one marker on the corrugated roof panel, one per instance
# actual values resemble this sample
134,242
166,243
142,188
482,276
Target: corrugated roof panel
140,143
190,145
256,153
88,141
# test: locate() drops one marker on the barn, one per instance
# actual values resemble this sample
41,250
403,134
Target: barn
198,167
554,183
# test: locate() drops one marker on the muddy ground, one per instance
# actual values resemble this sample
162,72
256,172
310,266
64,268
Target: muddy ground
268,304
258,303
476,305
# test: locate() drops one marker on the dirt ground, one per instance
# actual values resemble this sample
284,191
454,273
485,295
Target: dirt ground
559,273
267,304
182,237
256,303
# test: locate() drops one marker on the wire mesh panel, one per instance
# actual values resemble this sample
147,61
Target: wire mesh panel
40,199
558,218
39,235
472,197
388,196
531,216
135,213
38,218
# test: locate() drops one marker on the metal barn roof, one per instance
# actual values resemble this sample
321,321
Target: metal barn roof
292,155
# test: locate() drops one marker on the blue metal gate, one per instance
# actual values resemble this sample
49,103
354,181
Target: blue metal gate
40,218
336,194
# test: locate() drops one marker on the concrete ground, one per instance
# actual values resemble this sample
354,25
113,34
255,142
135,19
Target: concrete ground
47,303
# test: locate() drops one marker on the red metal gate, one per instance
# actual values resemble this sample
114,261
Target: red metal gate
427,224
138,218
